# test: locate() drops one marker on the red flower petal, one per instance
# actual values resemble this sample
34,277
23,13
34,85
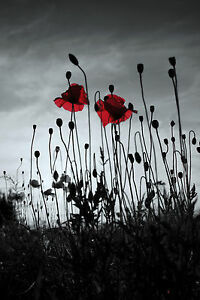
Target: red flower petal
75,94
77,107
73,99
59,102
112,110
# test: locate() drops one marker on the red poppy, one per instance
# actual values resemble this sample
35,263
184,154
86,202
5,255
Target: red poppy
112,110
73,99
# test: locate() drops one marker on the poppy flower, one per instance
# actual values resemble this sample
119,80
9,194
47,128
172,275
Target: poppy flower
112,110
73,99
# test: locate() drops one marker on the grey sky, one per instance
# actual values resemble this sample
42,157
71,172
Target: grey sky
109,38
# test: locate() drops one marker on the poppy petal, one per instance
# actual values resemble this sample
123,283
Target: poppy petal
77,107
124,117
59,102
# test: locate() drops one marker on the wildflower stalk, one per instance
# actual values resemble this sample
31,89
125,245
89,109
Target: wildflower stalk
128,147
89,126
109,157
31,173
42,192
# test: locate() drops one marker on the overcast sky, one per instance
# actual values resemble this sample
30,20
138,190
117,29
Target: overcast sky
109,39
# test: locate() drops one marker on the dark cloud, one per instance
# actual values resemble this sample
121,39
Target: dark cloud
109,38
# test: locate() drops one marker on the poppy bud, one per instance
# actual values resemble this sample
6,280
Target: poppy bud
96,107
166,141
94,173
59,122
194,141
55,175
4,172
198,149
180,175
71,125
152,108
172,123
72,190
50,130
184,159
130,106
173,179
155,124
68,75
146,166
37,154
138,157
171,172
140,68
148,185
117,137
86,146
34,127
57,149
171,73
73,59
183,136
131,158
111,88
173,139
172,61
141,118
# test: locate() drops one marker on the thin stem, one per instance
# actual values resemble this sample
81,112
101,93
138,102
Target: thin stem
89,126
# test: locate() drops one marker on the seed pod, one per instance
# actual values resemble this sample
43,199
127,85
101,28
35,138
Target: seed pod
184,159
146,166
152,108
59,122
57,149
141,118
94,173
96,107
73,59
130,106
180,175
171,73
55,175
50,131
166,141
155,124
34,127
198,149
86,146
37,154
71,125
138,157
194,141
140,68
172,123
131,158
68,75
183,136
72,190
172,61
173,139
111,88
117,138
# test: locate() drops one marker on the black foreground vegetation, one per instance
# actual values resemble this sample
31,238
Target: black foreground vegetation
150,248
